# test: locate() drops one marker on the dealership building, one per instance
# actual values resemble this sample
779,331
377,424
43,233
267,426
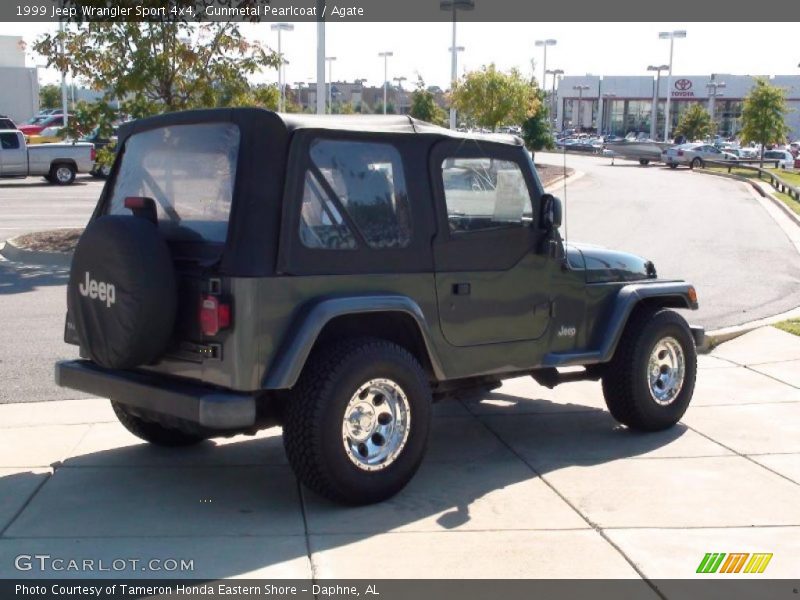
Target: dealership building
623,104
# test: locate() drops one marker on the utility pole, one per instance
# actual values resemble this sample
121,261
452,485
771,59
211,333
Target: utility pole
553,116
712,87
64,101
330,60
281,27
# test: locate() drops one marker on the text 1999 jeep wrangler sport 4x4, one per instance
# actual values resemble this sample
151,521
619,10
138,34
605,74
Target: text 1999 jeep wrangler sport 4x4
336,275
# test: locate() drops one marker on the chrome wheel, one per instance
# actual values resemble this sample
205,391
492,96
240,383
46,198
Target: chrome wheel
376,424
666,370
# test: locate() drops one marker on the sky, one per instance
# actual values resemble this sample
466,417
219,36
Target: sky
582,48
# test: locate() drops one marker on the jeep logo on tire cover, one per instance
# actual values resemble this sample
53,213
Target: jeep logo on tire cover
105,292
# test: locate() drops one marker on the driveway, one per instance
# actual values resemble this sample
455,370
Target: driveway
708,230
523,483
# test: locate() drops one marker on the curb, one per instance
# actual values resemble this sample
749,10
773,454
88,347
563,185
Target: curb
562,182
10,251
715,338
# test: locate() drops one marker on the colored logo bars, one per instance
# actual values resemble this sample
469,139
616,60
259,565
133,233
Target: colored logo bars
719,562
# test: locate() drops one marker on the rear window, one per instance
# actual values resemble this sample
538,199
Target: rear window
189,170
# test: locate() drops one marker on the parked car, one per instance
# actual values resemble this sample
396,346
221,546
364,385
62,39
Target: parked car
748,152
784,158
6,123
387,265
100,142
58,163
694,155
48,135
40,122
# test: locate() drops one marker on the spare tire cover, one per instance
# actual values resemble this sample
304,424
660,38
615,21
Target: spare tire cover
122,293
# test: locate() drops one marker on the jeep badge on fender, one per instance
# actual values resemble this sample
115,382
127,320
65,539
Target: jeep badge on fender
337,277
105,292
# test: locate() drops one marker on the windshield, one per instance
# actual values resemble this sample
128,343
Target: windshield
189,170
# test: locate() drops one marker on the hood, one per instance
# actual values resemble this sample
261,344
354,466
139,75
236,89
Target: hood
604,265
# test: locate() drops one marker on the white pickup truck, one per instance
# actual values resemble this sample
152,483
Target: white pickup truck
58,163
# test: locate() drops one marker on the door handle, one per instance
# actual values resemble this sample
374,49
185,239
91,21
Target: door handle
462,289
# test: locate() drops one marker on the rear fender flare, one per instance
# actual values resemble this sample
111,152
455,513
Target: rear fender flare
294,352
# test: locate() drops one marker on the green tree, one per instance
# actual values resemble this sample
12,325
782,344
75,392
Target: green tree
423,105
159,66
695,123
491,98
764,116
536,130
50,96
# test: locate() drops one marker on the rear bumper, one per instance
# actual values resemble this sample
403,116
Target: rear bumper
208,407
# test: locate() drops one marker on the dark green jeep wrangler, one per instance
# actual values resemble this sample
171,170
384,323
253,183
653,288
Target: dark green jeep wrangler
338,275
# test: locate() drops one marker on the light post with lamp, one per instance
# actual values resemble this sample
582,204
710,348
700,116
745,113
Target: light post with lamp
656,95
281,27
671,36
553,108
580,89
544,44
399,81
712,87
604,98
330,60
385,56
454,6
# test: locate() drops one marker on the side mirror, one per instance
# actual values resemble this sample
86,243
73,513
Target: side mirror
552,212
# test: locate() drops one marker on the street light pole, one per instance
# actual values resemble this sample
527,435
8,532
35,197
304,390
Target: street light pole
330,60
454,6
669,35
712,87
63,75
385,56
581,89
656,95
602,110
544,44
281,27
399,80
555,73
320,6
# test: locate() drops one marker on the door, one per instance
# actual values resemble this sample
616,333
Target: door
13,155
491,282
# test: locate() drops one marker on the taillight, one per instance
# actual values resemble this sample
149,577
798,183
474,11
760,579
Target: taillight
93,154
214,315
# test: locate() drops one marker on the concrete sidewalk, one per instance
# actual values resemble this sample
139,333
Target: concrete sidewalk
525,483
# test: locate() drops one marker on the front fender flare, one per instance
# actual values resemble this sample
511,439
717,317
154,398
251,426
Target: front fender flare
672,293
292,356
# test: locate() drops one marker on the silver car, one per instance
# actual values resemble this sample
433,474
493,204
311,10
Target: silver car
694,155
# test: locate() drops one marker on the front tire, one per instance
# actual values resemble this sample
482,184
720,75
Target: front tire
152,432
357,421
697,163
673,166
644,162
650,381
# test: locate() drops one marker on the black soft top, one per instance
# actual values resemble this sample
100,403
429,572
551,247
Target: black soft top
253,231
284,123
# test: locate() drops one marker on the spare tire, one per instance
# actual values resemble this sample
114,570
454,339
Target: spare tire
122,294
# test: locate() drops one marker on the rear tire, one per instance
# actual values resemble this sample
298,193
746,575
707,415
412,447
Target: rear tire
62,174
154,433
644,162
673,166
357,422
650,381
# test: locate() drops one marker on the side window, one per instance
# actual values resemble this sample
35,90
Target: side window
368,181
9,141
485,193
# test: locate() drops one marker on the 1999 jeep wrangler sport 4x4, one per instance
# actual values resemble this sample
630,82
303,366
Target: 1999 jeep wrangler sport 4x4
337,275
